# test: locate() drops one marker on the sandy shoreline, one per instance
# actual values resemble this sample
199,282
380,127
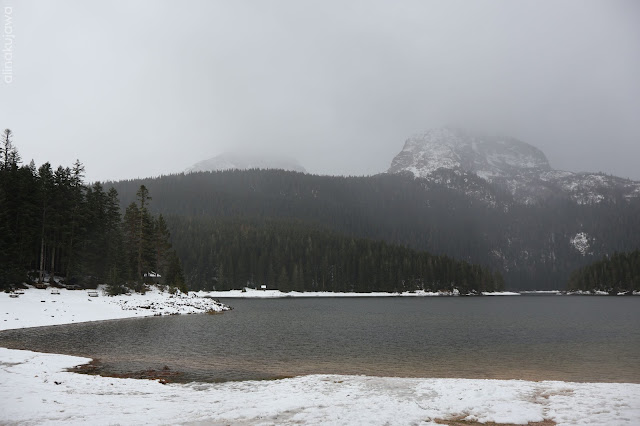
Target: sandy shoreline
35,388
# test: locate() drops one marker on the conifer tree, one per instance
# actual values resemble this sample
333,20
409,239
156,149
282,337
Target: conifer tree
161,244
9,157
174,276
145,233
76,196
130,224
45,177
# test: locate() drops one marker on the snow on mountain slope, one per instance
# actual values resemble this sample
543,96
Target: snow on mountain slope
230,161
591,188
449,148
507,163
581,243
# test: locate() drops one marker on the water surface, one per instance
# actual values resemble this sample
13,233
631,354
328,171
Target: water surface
577,338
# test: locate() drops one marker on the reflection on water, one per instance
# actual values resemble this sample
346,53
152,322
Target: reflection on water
527,337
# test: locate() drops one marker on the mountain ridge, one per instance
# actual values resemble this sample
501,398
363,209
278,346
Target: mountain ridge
515,166
245,161
535,246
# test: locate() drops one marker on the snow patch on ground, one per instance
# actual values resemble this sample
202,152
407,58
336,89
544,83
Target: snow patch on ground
48,394
37,307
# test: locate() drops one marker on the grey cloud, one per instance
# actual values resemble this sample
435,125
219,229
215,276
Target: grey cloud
144,88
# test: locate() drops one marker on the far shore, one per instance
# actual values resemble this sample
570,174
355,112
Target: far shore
274,294
252,293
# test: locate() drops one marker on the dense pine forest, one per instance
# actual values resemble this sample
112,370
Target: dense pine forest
294,256
529,244
52,223
617,273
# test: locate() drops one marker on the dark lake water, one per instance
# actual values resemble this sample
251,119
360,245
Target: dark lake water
578,338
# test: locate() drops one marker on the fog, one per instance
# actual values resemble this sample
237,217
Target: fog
136,89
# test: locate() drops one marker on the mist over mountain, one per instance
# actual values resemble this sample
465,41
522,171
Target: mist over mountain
246,161
516,167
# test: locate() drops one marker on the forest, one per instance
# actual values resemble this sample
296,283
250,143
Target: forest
228,254
529,244
618,273
52,223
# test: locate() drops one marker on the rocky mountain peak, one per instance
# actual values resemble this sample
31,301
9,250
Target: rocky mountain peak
502,162
488,156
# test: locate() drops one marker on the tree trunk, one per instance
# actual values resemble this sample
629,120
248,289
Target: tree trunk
140,247
42,249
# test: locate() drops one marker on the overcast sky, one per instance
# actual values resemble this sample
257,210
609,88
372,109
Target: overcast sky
136,89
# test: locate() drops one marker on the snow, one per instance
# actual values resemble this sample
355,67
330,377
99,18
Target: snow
580,242
40,307
516,166
488,156
49,395
250,293
588,188
588,293
36,388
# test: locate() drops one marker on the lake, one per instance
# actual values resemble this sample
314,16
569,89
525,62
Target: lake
571,338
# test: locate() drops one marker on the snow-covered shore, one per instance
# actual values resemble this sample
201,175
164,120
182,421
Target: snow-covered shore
36,308
35,388
251,293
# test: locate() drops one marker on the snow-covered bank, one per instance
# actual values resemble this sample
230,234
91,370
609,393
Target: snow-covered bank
601,293
576,293
37,308
273,294
36,390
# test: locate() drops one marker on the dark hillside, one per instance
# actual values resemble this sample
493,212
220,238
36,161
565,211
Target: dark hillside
532,245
